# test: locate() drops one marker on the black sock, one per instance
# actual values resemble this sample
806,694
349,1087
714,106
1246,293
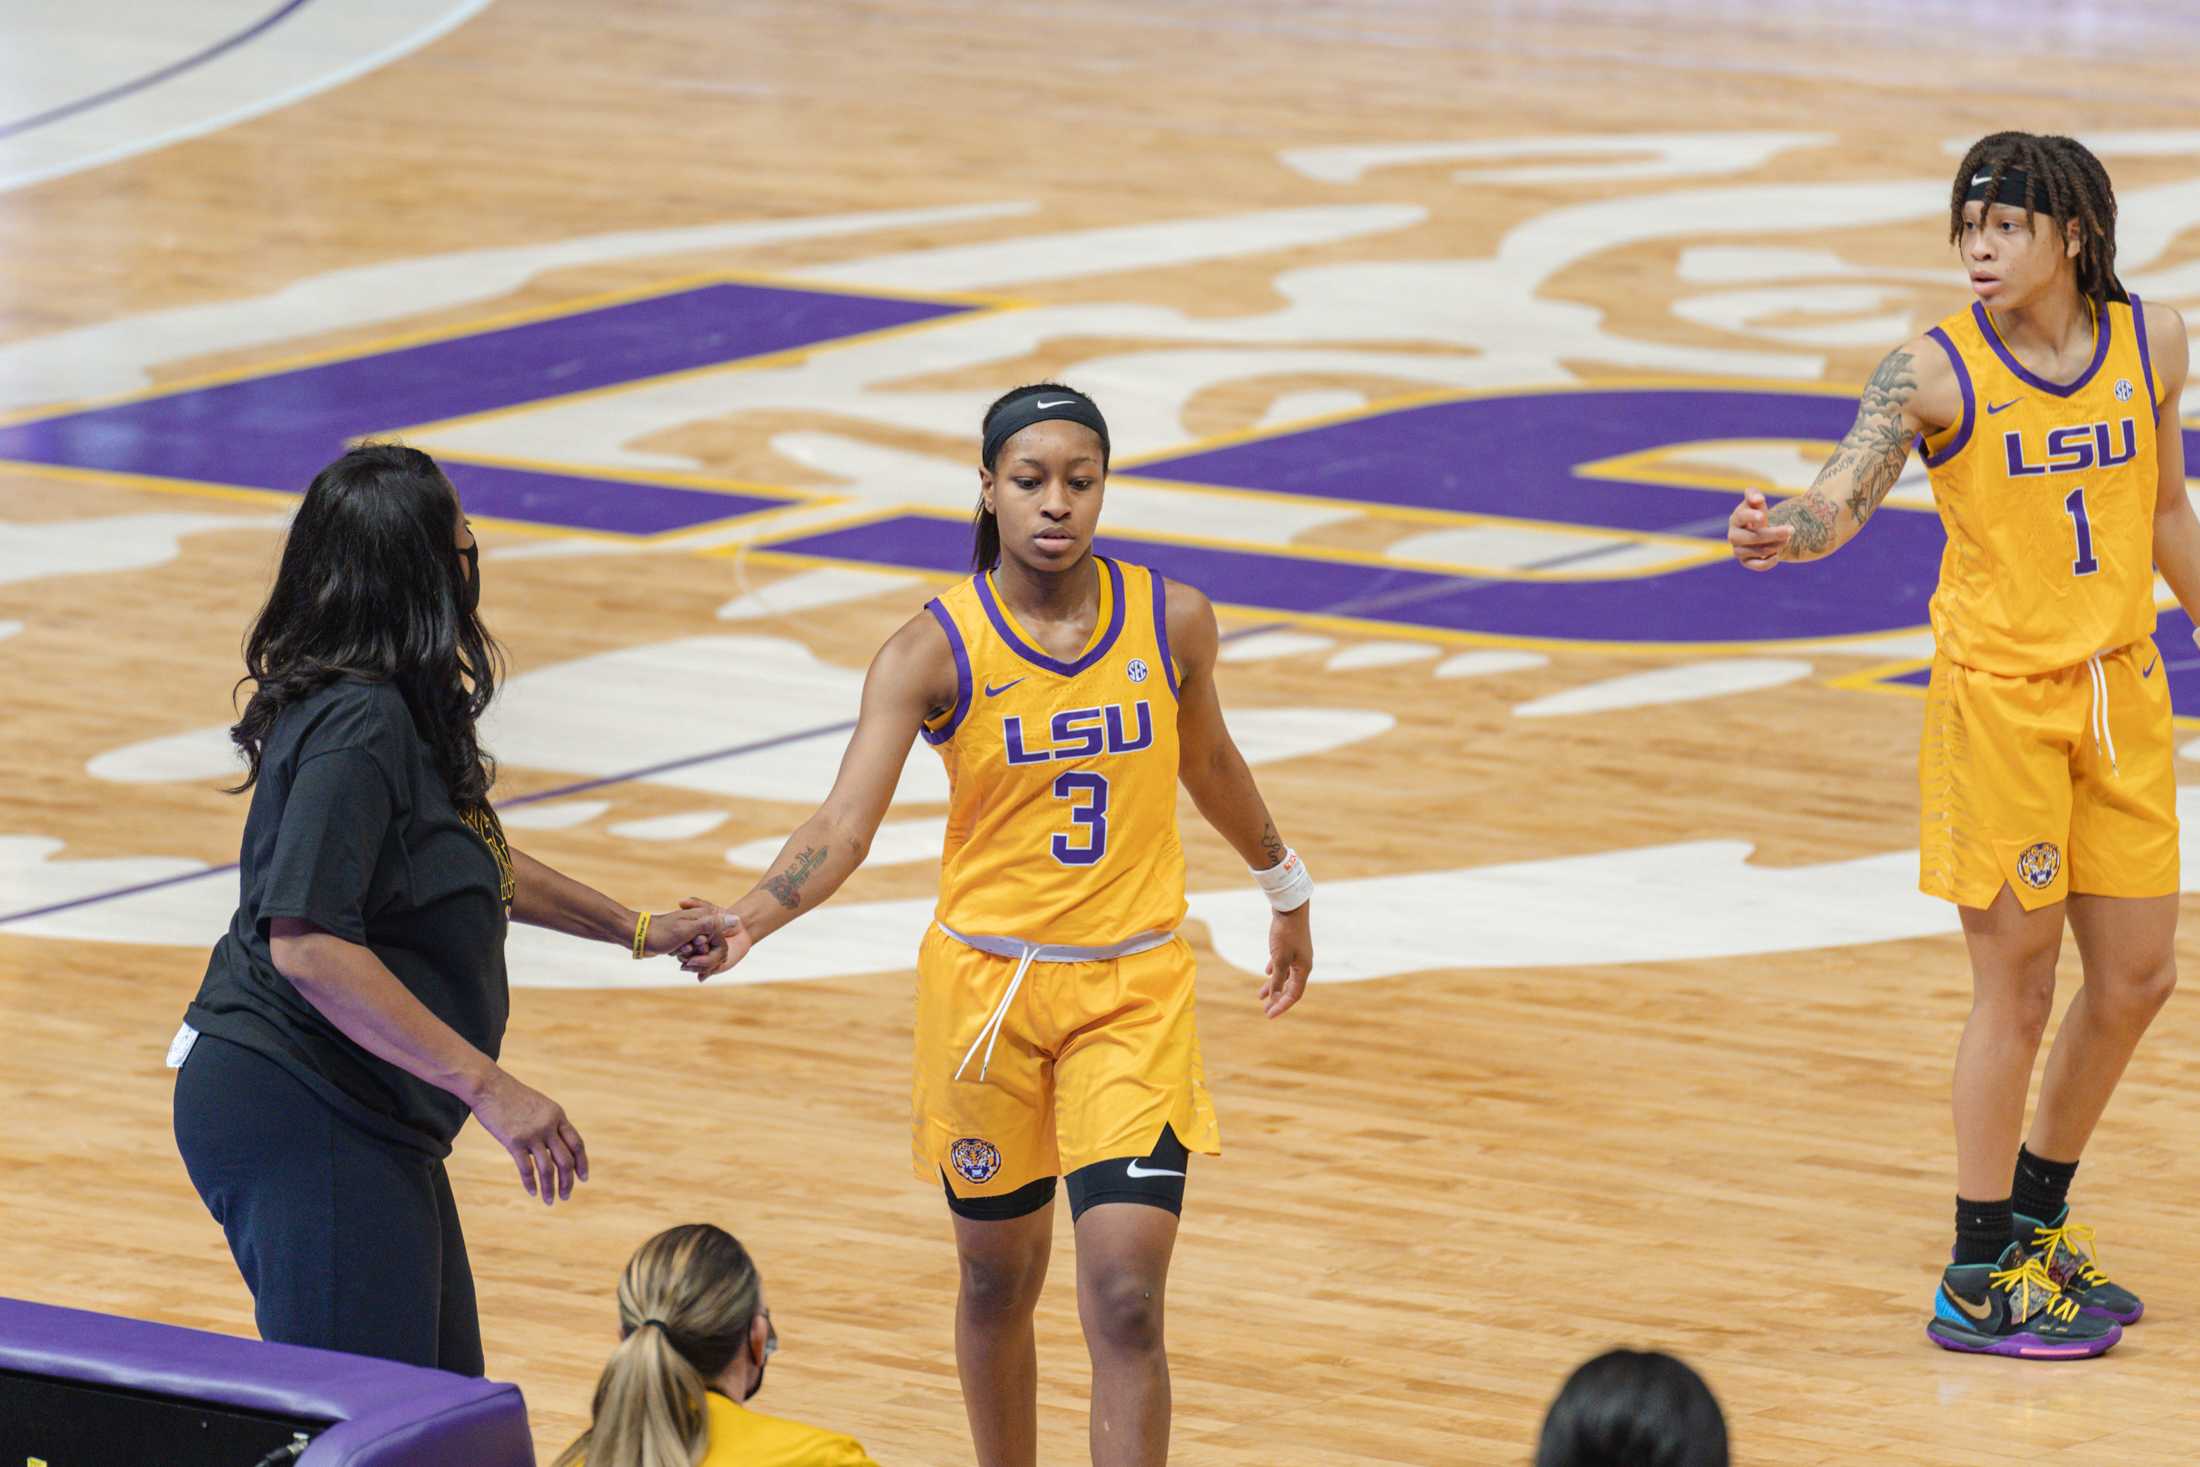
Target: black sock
1983,1230
2042,1187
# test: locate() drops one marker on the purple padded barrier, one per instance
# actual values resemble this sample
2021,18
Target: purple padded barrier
386,1414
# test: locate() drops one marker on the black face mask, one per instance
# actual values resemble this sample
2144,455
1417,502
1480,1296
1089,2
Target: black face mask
771,1348
469,598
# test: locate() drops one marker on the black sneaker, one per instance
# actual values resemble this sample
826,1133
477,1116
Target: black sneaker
2014,1308
2067,1250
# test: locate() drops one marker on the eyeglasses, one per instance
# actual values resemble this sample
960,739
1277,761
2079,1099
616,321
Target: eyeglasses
771,1336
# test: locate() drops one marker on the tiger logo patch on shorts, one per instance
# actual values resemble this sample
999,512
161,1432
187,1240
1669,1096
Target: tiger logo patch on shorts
2040,864
975,1160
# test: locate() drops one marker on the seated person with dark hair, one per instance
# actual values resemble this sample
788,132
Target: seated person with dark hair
1633,1408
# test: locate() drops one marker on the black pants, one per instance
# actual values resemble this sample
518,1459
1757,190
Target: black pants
347,1242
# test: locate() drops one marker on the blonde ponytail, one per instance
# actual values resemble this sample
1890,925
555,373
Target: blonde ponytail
686,1304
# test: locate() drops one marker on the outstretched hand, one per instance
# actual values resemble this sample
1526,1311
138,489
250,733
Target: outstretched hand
719,942
1290,959
1750,533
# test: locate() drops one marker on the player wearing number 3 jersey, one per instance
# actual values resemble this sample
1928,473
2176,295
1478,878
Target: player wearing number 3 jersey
2047,413
1068,694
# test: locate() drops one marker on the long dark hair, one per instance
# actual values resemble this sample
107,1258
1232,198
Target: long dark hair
371,587
2063,180
985,530
1639,1407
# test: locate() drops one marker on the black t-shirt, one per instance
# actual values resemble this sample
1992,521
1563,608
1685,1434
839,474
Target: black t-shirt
352,829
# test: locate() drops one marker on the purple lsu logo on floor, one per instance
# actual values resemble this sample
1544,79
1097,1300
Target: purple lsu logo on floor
1517,456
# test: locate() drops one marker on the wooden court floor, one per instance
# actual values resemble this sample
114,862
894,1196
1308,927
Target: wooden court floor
1647,1041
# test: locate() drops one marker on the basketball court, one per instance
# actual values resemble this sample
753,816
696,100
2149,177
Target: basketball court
1436,341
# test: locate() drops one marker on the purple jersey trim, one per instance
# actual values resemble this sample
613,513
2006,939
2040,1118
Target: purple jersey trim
2101,333
1039,659
1954,445
955,715
2146,361
1161,626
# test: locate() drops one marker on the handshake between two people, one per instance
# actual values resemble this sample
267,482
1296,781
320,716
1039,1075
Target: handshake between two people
705,937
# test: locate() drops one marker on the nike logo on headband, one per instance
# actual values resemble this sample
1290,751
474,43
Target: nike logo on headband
1065,402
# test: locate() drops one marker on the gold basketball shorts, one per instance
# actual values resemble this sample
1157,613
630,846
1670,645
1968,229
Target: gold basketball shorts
1027,1070
2052,784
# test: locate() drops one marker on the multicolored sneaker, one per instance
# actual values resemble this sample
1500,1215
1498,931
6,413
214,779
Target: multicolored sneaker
2013,1308
2066,1248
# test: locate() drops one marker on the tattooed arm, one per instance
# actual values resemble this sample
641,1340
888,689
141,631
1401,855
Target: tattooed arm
1914,391
912,677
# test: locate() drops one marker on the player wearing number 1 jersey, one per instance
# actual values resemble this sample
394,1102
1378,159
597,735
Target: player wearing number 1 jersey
1068,693
2047,412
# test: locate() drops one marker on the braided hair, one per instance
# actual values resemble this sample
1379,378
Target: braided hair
2063,180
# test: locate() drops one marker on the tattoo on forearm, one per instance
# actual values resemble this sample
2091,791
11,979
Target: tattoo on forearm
1271,844
787,885
1870,458
1812,516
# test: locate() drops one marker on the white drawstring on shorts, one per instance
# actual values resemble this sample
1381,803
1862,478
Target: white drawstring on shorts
2102,738
1025,954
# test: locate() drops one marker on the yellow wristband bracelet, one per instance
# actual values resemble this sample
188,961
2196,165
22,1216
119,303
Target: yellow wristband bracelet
641,937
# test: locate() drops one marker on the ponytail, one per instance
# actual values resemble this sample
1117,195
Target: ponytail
648,1409
687,1302
985,536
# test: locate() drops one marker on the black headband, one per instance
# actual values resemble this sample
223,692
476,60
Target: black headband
2016,185
1042,405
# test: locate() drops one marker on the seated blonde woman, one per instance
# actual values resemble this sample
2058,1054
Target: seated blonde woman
693,1339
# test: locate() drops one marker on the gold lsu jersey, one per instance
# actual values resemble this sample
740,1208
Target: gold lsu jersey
1061,821
2047,493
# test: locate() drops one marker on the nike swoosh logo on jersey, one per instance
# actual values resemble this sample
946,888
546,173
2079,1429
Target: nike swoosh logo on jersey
993,692
1065,402
1134,1170
1995,407
1982,1311
2148,670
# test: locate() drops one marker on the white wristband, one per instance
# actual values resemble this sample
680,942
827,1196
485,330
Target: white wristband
1287,884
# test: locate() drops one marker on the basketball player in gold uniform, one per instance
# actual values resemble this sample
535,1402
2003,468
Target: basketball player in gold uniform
1068,694
2047,414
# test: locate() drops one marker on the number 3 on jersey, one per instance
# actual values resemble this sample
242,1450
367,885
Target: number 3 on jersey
2074,506
1092,814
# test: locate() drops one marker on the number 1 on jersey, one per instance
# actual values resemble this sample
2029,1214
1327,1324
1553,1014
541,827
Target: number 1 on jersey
1092,814
2074,506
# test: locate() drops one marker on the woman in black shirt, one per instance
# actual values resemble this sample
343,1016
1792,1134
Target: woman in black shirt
350,1019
